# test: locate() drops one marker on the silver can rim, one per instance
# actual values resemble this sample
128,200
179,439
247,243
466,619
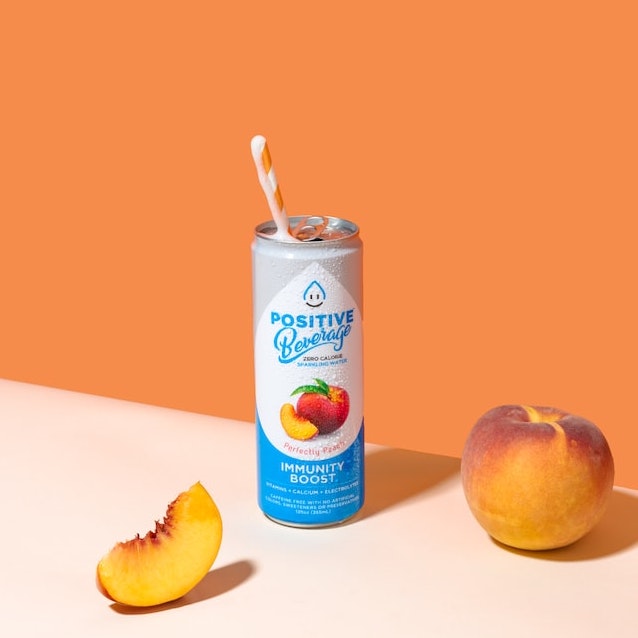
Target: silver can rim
336,228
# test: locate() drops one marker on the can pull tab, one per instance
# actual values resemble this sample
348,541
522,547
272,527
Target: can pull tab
309,228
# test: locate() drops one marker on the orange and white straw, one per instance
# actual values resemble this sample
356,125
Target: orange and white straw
268,181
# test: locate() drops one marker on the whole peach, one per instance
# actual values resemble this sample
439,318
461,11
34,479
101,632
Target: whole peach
325,406
536,477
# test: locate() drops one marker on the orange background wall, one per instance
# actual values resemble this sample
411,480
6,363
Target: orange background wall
487,150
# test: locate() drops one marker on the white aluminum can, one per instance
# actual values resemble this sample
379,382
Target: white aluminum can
308,346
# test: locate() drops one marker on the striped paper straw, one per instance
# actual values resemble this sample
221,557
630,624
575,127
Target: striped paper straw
268,181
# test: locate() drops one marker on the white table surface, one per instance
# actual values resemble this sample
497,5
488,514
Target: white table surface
80,472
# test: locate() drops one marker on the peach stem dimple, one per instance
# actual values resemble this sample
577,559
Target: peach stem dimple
537,417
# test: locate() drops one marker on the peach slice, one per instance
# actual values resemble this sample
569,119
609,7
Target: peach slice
169,561
296,426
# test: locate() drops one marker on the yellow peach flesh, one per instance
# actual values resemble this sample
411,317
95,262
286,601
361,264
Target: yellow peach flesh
165,564
296,427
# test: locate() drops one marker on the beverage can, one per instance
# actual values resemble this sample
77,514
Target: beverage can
308,348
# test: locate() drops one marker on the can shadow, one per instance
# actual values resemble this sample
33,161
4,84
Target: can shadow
617,531
215,583
394,476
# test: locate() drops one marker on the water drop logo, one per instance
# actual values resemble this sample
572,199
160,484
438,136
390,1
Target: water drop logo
314,295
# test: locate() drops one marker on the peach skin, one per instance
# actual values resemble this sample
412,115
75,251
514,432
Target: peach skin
536,477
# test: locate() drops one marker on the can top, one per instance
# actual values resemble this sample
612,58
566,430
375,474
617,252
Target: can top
312,228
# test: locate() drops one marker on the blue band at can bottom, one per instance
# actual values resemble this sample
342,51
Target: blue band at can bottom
309,493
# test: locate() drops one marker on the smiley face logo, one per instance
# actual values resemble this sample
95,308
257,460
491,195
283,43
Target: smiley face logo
314,295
